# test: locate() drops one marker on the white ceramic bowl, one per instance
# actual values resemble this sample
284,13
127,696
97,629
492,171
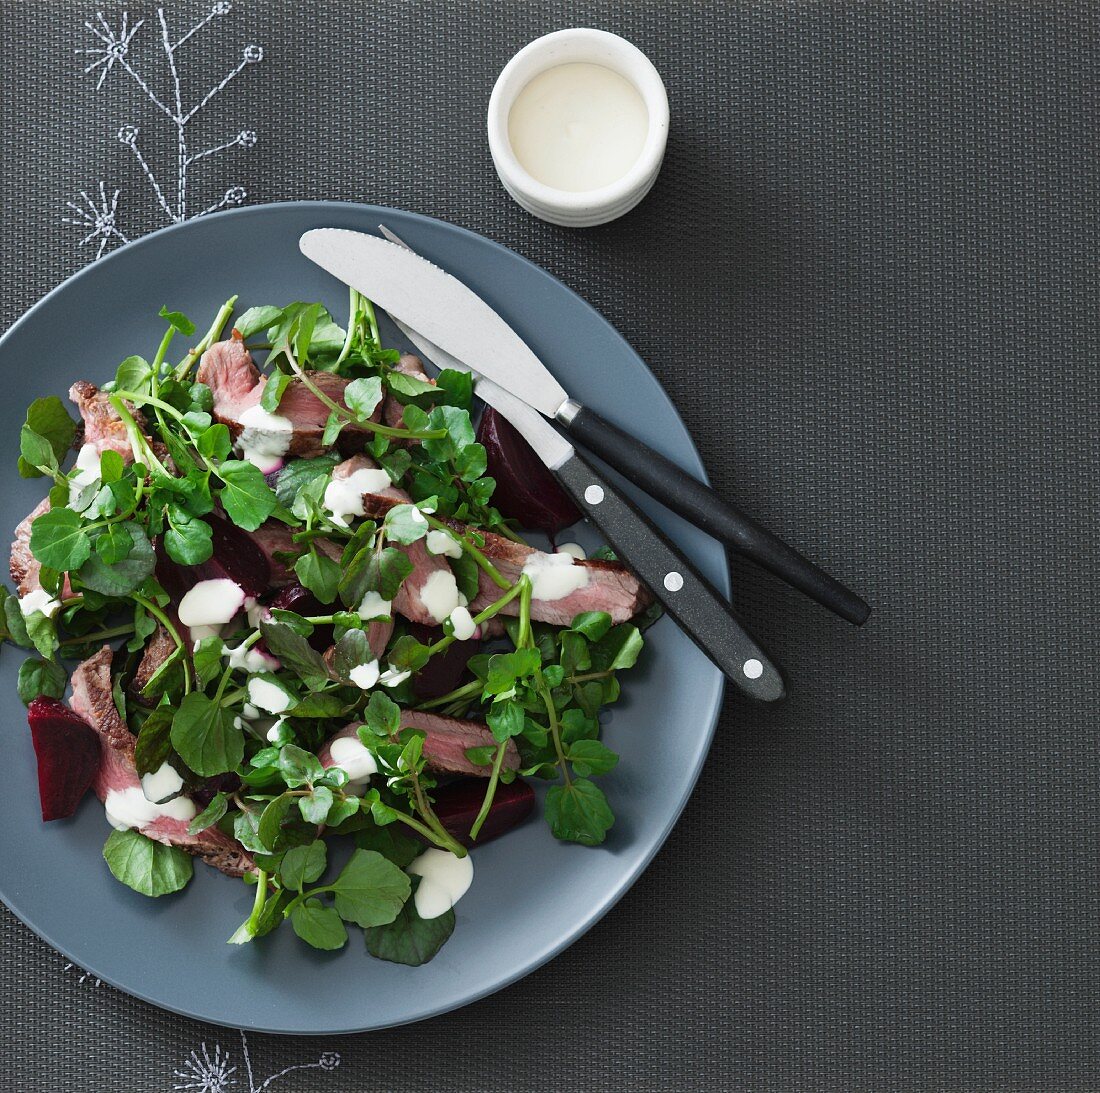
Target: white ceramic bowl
579,45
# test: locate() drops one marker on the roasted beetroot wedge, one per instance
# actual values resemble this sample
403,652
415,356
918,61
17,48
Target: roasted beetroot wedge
236,557
445,670
297,598
67,750
526,491
458,804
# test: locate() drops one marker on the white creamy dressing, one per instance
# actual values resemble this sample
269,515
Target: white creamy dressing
250,713
554,576
443,542
391,677
374,607
349,753
162,783
268,696
463,622
440,595
38,599
578,127
88,461
365,676
131,808
251,660
574,550
344,496
276,731
444,880
265,438
211,603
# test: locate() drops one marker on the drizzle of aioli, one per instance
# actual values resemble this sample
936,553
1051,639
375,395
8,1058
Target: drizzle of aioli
443,542
162,783
374,607
87,466
38,599
364,676
265,438
344,496
444,880
463,622
251,660
439,594
554,576
130,807
268,696
211,603
574,550
349,754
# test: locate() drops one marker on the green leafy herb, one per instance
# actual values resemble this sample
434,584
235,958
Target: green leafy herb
146,866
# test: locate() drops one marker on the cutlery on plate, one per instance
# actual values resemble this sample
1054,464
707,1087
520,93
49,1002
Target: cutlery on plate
453,317
702,613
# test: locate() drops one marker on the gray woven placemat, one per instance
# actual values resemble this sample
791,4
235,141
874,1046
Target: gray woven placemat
866,275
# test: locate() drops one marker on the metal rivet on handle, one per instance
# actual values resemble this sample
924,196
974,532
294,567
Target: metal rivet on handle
753,669
593,494
674,581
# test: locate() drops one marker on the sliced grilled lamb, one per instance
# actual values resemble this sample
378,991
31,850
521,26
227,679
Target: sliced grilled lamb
228,370
445,742
393,412
92,700
103,428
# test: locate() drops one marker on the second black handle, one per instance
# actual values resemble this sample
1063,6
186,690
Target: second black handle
685,495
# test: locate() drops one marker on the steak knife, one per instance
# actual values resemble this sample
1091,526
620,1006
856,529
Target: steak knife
453,317
703,614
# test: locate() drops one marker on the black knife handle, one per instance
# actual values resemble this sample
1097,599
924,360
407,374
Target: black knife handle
687,496
702,613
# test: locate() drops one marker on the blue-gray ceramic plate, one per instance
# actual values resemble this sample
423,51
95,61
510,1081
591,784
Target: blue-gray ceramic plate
532,896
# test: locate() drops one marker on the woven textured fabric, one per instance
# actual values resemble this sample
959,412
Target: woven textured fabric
866,276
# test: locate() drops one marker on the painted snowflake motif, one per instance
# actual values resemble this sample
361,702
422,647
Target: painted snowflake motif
113,49
203,1072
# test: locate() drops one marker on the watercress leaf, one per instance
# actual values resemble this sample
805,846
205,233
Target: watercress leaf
296,622
578,725
111,466
392,843
455,388
113,543
207,659
256,319
618,648
470,463
125,576
405,524
215,442
467,575
362,396
206,737
40,677
411,752
146,866
319,925
154,743
209,815
272,395
408,654
370,891
48,418
395,463
383,715
133,374
593,624
197,422
460,432
319,573
59,540
578,812
334,423
385,572
16,624
302,865
506,668
180,321
303,334
575,653
187,540
505,720
299,472
298,766
409,386
341,811
247,497
591,757
414,418
351,651
42,632
410,939
246,831
481,756
315,806
271,820
35,454
295,652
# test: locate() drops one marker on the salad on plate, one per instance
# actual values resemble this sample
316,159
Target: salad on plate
305,635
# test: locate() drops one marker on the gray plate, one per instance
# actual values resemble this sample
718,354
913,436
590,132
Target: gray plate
531,896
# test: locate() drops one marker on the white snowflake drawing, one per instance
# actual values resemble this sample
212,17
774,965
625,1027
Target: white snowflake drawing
113,49
203,1072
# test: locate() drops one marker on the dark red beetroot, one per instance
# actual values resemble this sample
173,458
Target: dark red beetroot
294,597
444,671
235,556
458,804
526,490
67,750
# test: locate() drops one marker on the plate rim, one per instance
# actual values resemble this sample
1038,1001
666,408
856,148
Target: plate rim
722,581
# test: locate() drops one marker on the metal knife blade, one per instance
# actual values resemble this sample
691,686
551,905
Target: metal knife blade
439,306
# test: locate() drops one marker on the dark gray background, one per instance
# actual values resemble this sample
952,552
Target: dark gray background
866,276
